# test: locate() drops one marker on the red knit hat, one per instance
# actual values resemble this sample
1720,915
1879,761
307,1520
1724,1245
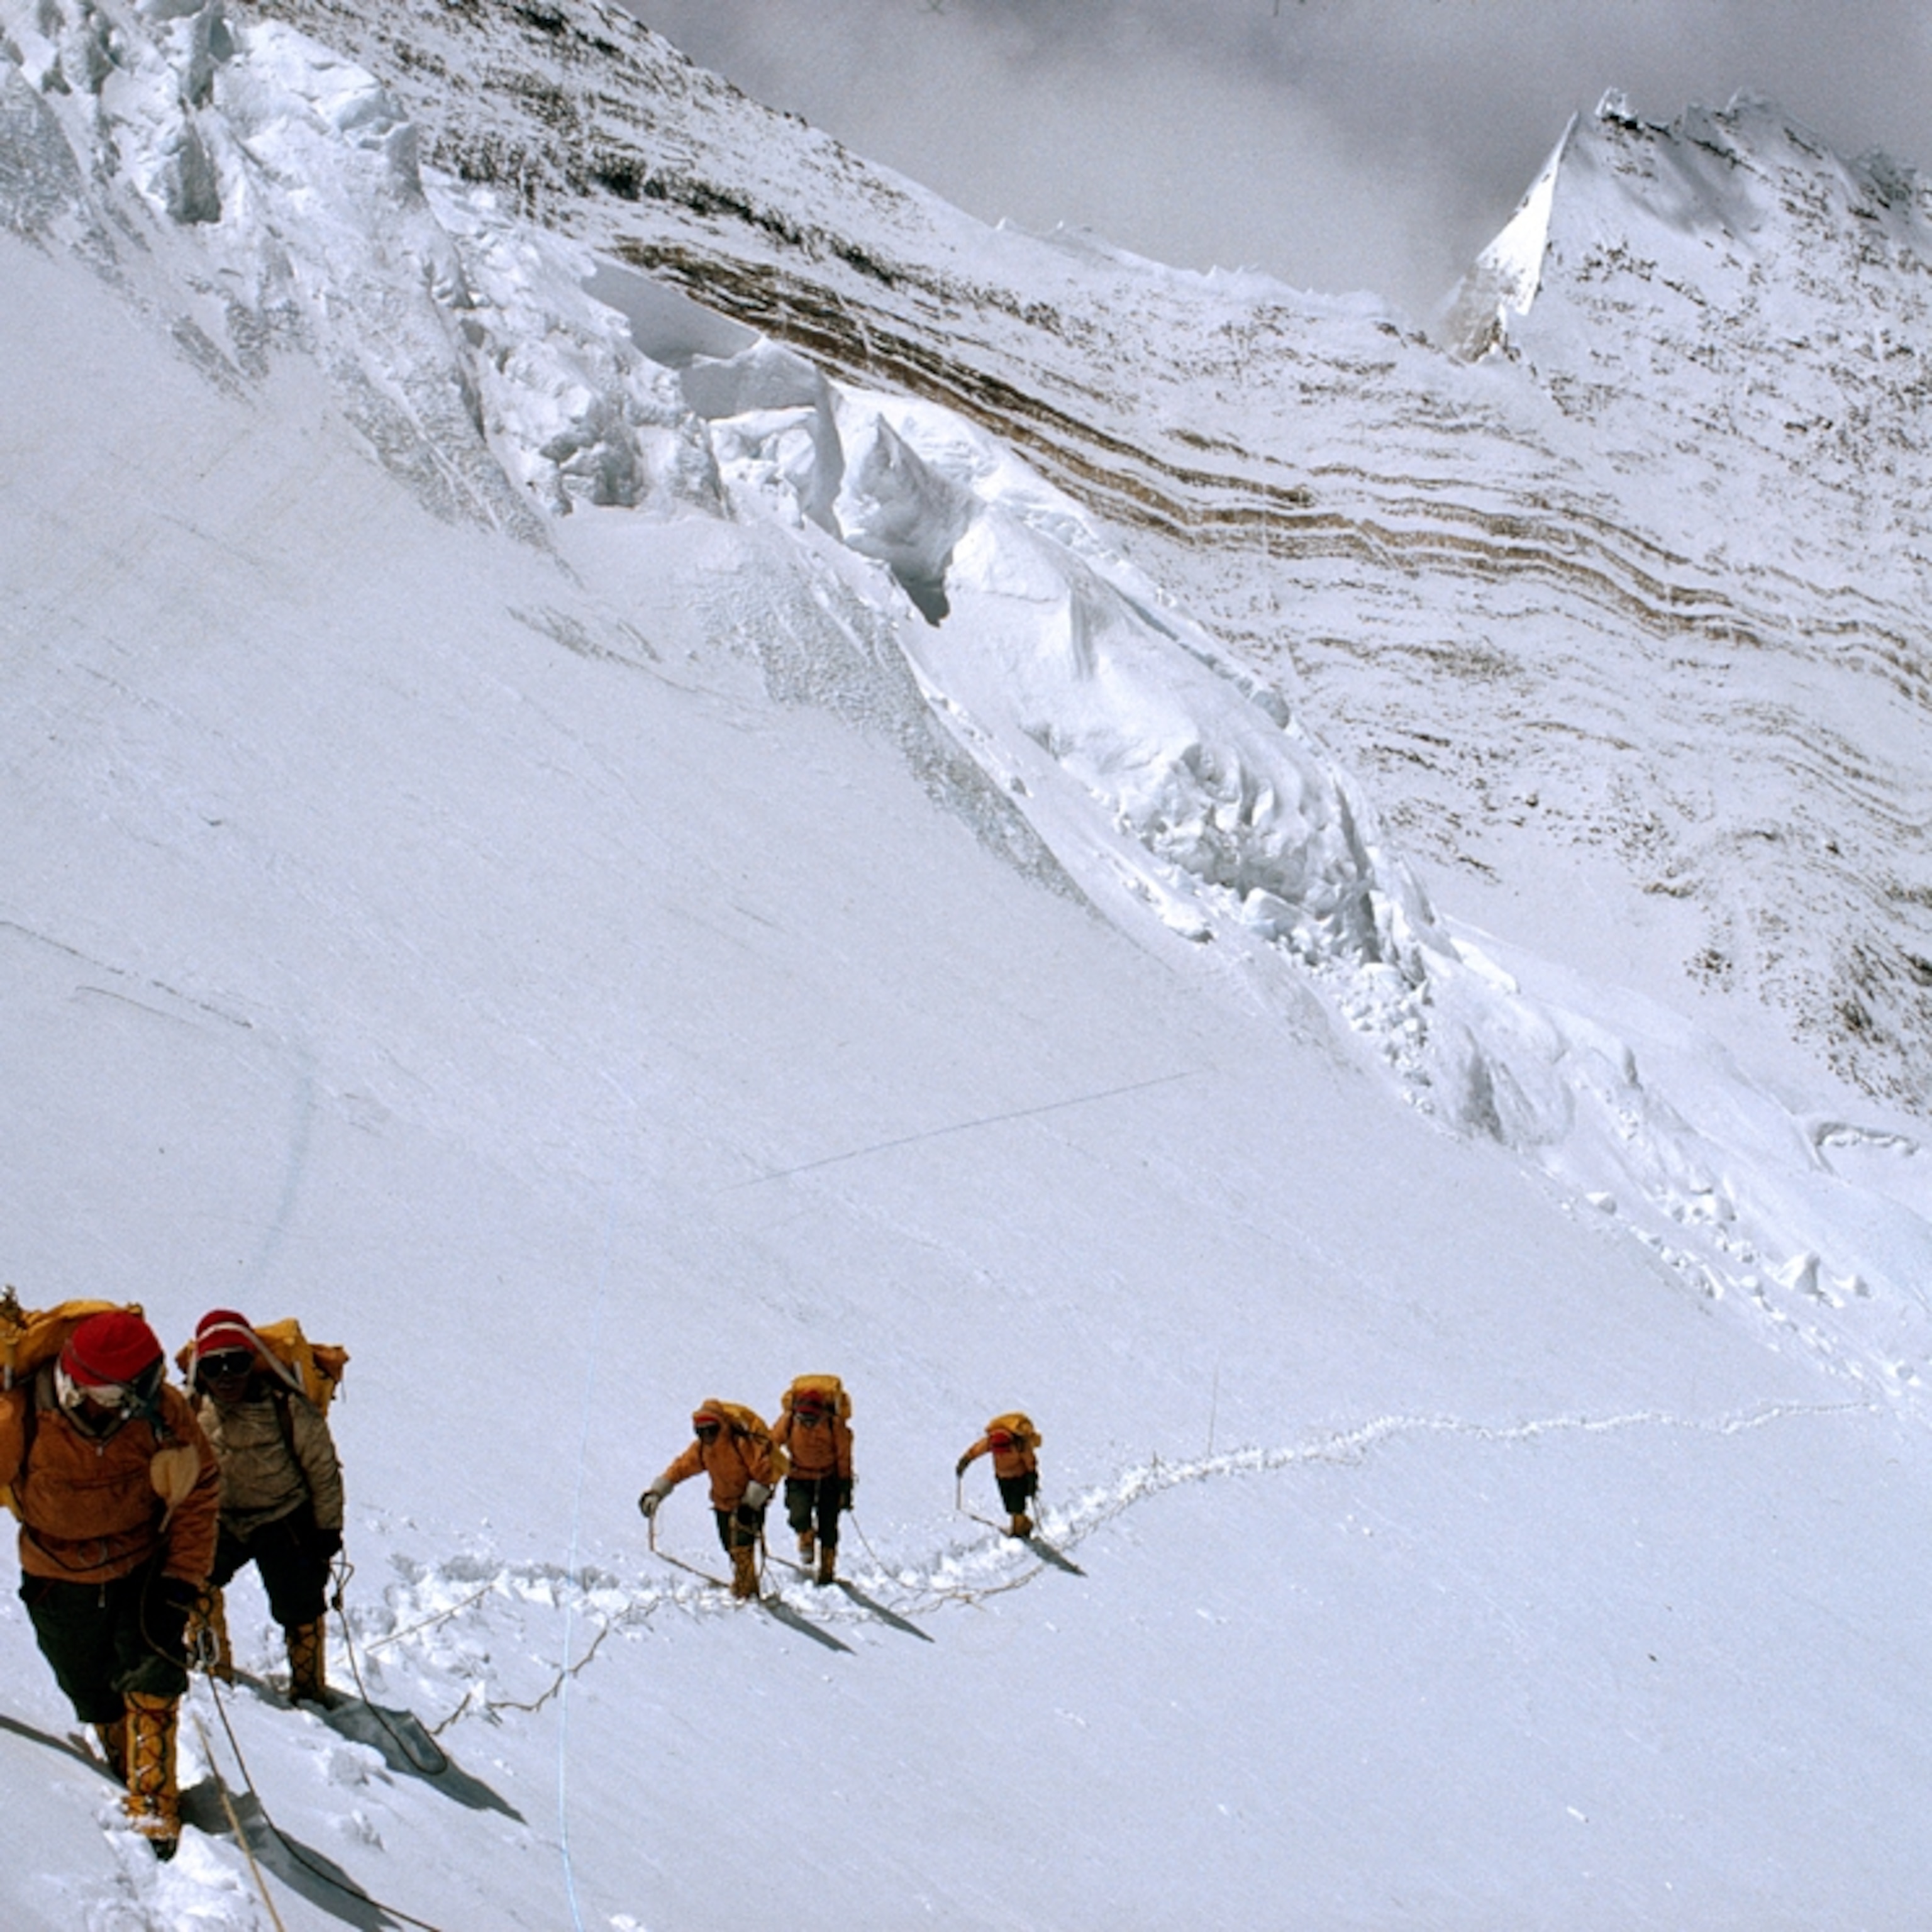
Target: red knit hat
116,1346
221,1329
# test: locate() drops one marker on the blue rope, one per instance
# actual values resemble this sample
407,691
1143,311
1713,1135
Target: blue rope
571,1571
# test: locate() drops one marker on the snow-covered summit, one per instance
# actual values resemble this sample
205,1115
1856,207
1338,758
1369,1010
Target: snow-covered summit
1728,291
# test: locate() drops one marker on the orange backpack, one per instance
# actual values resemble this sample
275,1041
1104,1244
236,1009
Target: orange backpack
30,1338
743,1421
1018,1426
830,1389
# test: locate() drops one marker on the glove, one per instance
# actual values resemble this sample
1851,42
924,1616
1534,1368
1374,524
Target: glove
648,1502
171,1599
757,1494
960,1467
327,1544
845,1489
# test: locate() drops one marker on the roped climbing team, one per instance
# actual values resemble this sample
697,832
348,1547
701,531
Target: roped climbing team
138,1503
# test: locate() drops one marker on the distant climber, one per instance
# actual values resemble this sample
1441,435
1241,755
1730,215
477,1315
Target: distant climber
1011,1440
734,1448
281,1494
117,1491
813,1431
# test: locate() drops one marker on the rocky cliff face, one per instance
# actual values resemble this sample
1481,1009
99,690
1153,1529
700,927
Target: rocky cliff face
1650,515
1683,487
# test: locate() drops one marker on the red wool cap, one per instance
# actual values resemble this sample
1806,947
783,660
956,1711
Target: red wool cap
117,1346
222,1329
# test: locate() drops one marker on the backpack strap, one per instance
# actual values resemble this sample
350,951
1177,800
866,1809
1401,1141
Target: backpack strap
285,1417
30,1421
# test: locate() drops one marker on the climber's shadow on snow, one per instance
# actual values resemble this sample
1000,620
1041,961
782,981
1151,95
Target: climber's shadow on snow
407,1749
67,1747
305,1871
403,1742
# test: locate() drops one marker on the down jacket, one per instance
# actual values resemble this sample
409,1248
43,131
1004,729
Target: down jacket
261,1482
1017,1460
822,1449
732,1459
87,1507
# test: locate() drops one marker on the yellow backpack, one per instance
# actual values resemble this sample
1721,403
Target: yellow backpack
1018,1426
312,1369
829,1388
745,1421
30,1338
316,1366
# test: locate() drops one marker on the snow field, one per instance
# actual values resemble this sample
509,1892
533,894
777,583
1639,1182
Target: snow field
577,974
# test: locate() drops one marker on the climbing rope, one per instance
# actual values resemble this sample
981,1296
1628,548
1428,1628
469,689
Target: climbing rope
234,1826
341,1573
281,1837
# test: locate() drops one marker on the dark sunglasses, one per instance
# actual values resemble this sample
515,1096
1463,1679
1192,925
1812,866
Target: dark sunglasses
229,1364
706,1431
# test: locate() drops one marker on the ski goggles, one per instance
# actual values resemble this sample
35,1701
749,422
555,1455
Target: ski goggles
103,1395
708,1432
230,1365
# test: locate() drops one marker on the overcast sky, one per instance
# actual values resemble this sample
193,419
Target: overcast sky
1337,144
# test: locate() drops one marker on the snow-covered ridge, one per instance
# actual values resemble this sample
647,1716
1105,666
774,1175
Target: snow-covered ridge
281,188
1470,572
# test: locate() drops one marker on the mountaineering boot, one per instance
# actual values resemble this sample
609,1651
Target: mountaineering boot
153,1802
828,1562
207,1636
807,1546
1021,1526
114,1746
744,1570
307,1657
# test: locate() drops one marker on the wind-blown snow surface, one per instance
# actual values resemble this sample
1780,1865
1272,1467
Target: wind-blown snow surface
589,962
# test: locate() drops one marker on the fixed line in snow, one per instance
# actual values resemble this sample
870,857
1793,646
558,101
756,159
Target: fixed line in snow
956,1127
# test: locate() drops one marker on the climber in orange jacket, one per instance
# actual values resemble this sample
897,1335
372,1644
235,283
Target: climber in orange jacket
812,1431
117,1492
1011,1440
733,1448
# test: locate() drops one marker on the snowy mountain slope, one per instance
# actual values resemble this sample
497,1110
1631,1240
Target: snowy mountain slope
1161,787
1469,573
470,985
588,961
1816,1212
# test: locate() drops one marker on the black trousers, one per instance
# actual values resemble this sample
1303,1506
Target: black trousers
93,1635
741,1528
293,1572
814,1502
1016,1491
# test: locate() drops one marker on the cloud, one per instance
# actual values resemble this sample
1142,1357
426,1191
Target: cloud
1336,143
